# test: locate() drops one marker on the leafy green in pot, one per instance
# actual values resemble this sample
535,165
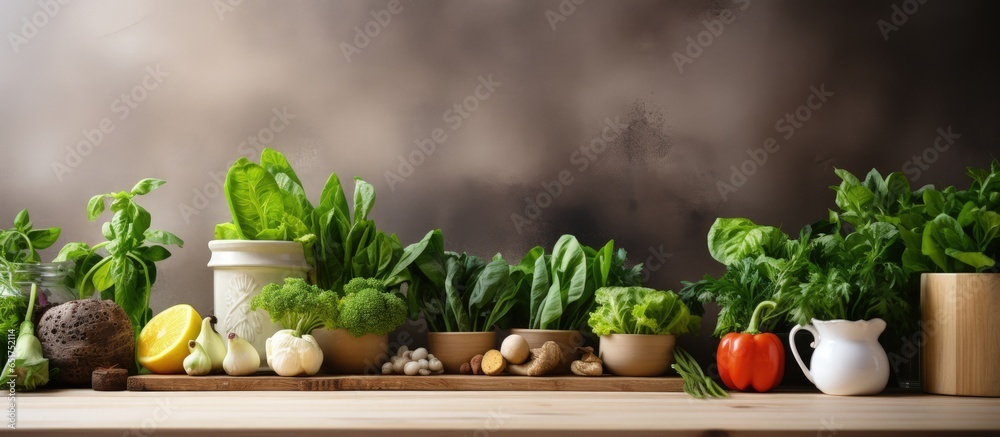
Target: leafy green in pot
846,267
267,202
456,292
556,291
639,310
127,274
349,248
955,231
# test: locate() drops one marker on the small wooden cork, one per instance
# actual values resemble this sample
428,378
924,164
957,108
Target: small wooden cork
113,379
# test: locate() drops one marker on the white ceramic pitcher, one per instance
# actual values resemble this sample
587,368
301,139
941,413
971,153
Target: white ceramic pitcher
848,359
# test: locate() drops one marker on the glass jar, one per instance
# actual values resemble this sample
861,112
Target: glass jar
49,277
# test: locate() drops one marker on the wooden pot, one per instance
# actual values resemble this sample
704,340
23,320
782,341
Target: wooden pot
960,315
637,354
345,354
455,348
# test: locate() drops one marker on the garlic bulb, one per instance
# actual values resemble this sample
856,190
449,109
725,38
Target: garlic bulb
289,355
197,362
241,358
213,344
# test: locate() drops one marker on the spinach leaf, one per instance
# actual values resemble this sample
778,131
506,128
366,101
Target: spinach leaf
254,198
455,292
731,239
556,291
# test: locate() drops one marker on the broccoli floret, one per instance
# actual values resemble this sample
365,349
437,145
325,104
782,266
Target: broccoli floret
298,305
358,284
371,311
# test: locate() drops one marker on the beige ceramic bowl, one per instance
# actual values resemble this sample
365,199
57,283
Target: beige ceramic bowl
636,354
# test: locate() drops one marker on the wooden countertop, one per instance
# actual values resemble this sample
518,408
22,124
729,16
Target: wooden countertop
86,412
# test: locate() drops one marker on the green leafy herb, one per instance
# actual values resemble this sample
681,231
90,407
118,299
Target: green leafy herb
849,266
128,272
21,243
732,239
696,383
955,231
267,202
456,292
556,291
12,310
27,363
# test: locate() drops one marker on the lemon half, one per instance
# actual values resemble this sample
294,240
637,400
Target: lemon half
163,342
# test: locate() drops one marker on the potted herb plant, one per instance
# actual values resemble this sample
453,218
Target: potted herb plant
21,265
357,340
953,238
277,233
555,292
637,327
268,240
848,266
461,297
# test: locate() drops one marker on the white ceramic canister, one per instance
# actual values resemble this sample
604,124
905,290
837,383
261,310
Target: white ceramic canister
242,268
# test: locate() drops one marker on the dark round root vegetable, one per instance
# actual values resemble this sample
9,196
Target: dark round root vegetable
81,336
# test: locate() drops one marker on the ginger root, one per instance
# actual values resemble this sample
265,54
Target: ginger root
493,363
542,361
588,365
477,364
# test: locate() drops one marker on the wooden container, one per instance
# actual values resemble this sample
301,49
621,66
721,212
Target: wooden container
455,348
344,354
960,313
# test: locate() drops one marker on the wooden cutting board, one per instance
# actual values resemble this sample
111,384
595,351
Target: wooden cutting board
398,382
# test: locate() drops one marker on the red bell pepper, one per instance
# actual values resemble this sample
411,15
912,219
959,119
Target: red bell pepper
751,358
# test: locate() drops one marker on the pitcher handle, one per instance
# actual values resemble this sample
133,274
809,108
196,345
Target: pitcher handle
795,352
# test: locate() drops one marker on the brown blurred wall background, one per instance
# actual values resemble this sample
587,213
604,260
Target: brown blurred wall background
690,91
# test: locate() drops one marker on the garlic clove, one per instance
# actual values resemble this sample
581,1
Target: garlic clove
241,357
311,355
197,362
213,343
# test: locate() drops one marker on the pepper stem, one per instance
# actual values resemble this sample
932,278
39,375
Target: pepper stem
755,318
